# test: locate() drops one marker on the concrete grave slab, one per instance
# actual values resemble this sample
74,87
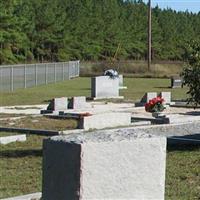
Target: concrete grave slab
105,120
104,87
108,164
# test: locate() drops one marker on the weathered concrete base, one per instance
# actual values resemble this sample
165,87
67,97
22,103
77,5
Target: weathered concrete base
12,138
105,120
34,196
106,97
104,165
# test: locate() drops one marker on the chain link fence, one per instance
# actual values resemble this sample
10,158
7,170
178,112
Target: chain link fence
29,75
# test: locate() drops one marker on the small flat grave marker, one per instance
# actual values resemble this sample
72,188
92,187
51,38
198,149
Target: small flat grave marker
176,82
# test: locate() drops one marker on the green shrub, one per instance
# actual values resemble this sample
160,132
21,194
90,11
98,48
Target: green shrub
191,73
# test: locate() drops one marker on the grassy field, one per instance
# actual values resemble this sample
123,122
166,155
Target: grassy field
81,86
21,163
21,170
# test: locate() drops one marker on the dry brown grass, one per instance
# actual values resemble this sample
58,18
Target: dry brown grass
133,68
43,123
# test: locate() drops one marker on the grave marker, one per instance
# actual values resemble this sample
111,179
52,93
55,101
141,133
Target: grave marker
166,96
105,120
148,96
78,103
104,164
176,82
56,104
104,87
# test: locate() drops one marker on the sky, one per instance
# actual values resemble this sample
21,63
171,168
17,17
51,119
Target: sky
179,5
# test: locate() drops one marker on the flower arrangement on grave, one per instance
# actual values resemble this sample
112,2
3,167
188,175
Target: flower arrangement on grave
155,105
111,73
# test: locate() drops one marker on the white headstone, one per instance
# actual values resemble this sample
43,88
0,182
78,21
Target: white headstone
166,96
104,87
78,103
104,165
58,104
148,96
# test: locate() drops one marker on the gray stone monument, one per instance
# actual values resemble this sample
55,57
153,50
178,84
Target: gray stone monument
176,82
108,164
104,87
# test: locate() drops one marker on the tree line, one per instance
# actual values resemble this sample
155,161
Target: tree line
61,30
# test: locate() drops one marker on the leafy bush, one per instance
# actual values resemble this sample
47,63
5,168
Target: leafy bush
191,73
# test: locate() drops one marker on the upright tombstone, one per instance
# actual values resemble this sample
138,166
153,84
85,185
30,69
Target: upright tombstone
58,104
104,165
176,82
148,96
78,103
104,87
166,96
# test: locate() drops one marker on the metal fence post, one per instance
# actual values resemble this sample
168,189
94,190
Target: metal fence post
1,81
36,74
46,74
54,72
11,79
25,76
78,68
69,71
63,75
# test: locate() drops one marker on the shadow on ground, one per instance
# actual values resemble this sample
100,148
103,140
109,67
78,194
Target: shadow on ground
20,153
184,143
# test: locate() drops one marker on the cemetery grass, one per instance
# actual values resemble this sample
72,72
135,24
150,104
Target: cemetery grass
136,87
21,167
21,170
4,134
183,173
